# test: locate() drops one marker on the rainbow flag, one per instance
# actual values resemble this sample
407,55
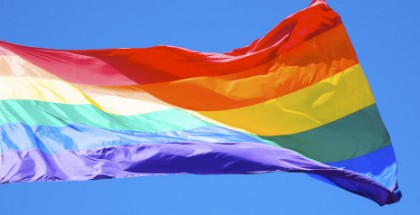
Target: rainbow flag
295,100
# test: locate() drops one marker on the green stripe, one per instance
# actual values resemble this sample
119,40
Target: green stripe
55,114
349,137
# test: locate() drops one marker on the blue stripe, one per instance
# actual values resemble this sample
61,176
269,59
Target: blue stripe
49,139
379,165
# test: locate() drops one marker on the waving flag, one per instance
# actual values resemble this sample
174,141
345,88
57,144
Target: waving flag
295,100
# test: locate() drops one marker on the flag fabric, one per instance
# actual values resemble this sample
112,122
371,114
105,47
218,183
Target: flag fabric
295,100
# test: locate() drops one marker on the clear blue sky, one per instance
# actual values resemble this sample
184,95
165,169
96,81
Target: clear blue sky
385,35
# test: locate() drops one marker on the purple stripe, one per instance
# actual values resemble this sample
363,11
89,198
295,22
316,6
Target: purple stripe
196,158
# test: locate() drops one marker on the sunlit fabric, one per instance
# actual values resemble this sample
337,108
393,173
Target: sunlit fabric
295,100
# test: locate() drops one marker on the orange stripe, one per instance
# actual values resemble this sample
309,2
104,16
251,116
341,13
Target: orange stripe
317,59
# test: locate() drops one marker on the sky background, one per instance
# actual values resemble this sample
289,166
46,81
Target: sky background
385,34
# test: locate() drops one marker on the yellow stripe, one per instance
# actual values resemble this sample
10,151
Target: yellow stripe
308,108
28,88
